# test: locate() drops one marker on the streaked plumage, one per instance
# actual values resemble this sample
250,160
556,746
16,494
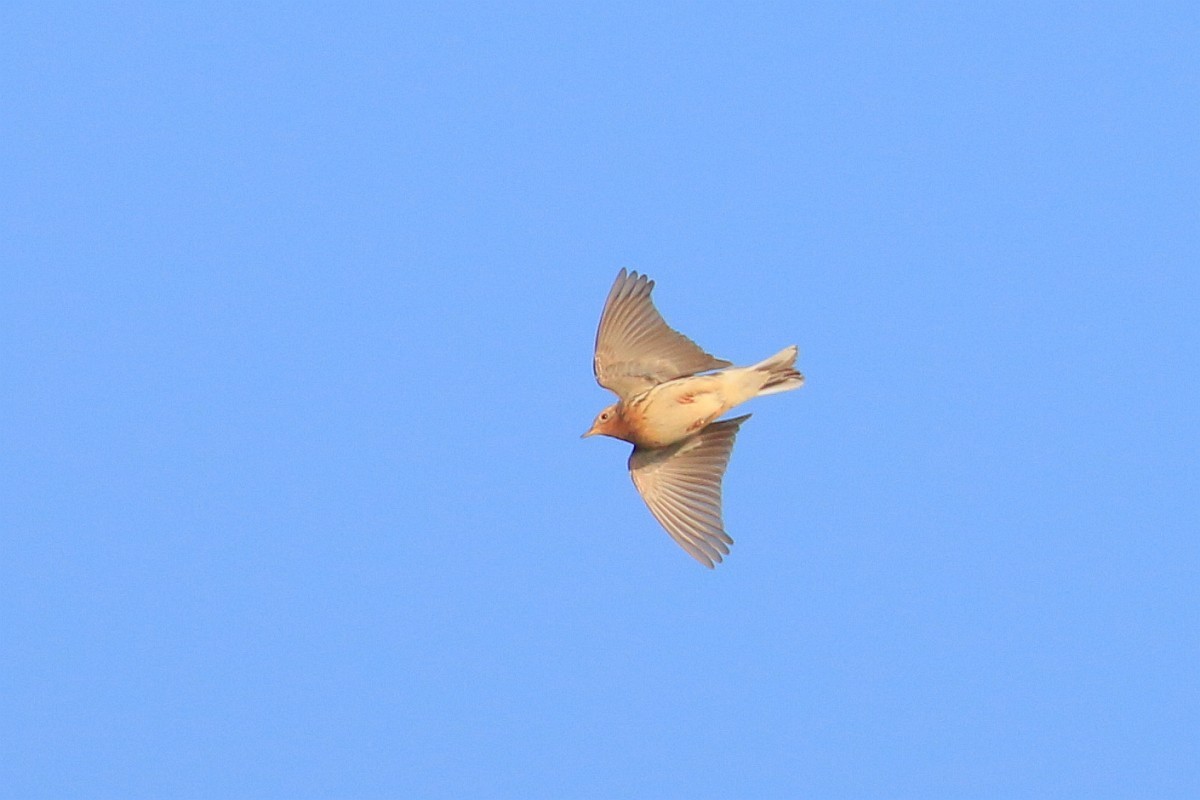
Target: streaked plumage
667,410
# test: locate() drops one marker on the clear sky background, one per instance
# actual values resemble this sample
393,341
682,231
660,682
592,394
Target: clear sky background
298,306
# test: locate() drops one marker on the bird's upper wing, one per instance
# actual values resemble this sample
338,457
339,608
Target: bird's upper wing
635,348
682,486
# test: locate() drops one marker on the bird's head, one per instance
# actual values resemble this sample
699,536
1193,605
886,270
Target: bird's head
608,422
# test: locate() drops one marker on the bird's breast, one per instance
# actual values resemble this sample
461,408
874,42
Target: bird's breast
673,411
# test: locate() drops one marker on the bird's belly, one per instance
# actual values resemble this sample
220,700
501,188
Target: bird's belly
674,413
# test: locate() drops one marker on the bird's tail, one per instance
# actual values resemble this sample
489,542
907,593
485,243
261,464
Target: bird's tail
781,372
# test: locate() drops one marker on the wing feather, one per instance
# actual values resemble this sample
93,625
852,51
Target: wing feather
635,348
681,485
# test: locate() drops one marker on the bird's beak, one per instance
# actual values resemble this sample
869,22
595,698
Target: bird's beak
590,432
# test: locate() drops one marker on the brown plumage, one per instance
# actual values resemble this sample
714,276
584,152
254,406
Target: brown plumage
667,409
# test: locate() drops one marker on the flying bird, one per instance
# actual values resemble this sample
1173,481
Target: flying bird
671,392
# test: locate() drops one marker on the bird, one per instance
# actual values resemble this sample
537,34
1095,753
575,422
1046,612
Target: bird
671,394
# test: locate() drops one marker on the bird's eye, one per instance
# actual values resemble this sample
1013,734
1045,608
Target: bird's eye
604,417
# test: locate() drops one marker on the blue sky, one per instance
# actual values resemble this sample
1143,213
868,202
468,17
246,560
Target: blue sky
297,321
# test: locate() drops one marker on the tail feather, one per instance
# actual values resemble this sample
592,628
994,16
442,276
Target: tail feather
782,375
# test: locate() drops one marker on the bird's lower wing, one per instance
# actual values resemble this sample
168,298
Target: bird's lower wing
682,486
